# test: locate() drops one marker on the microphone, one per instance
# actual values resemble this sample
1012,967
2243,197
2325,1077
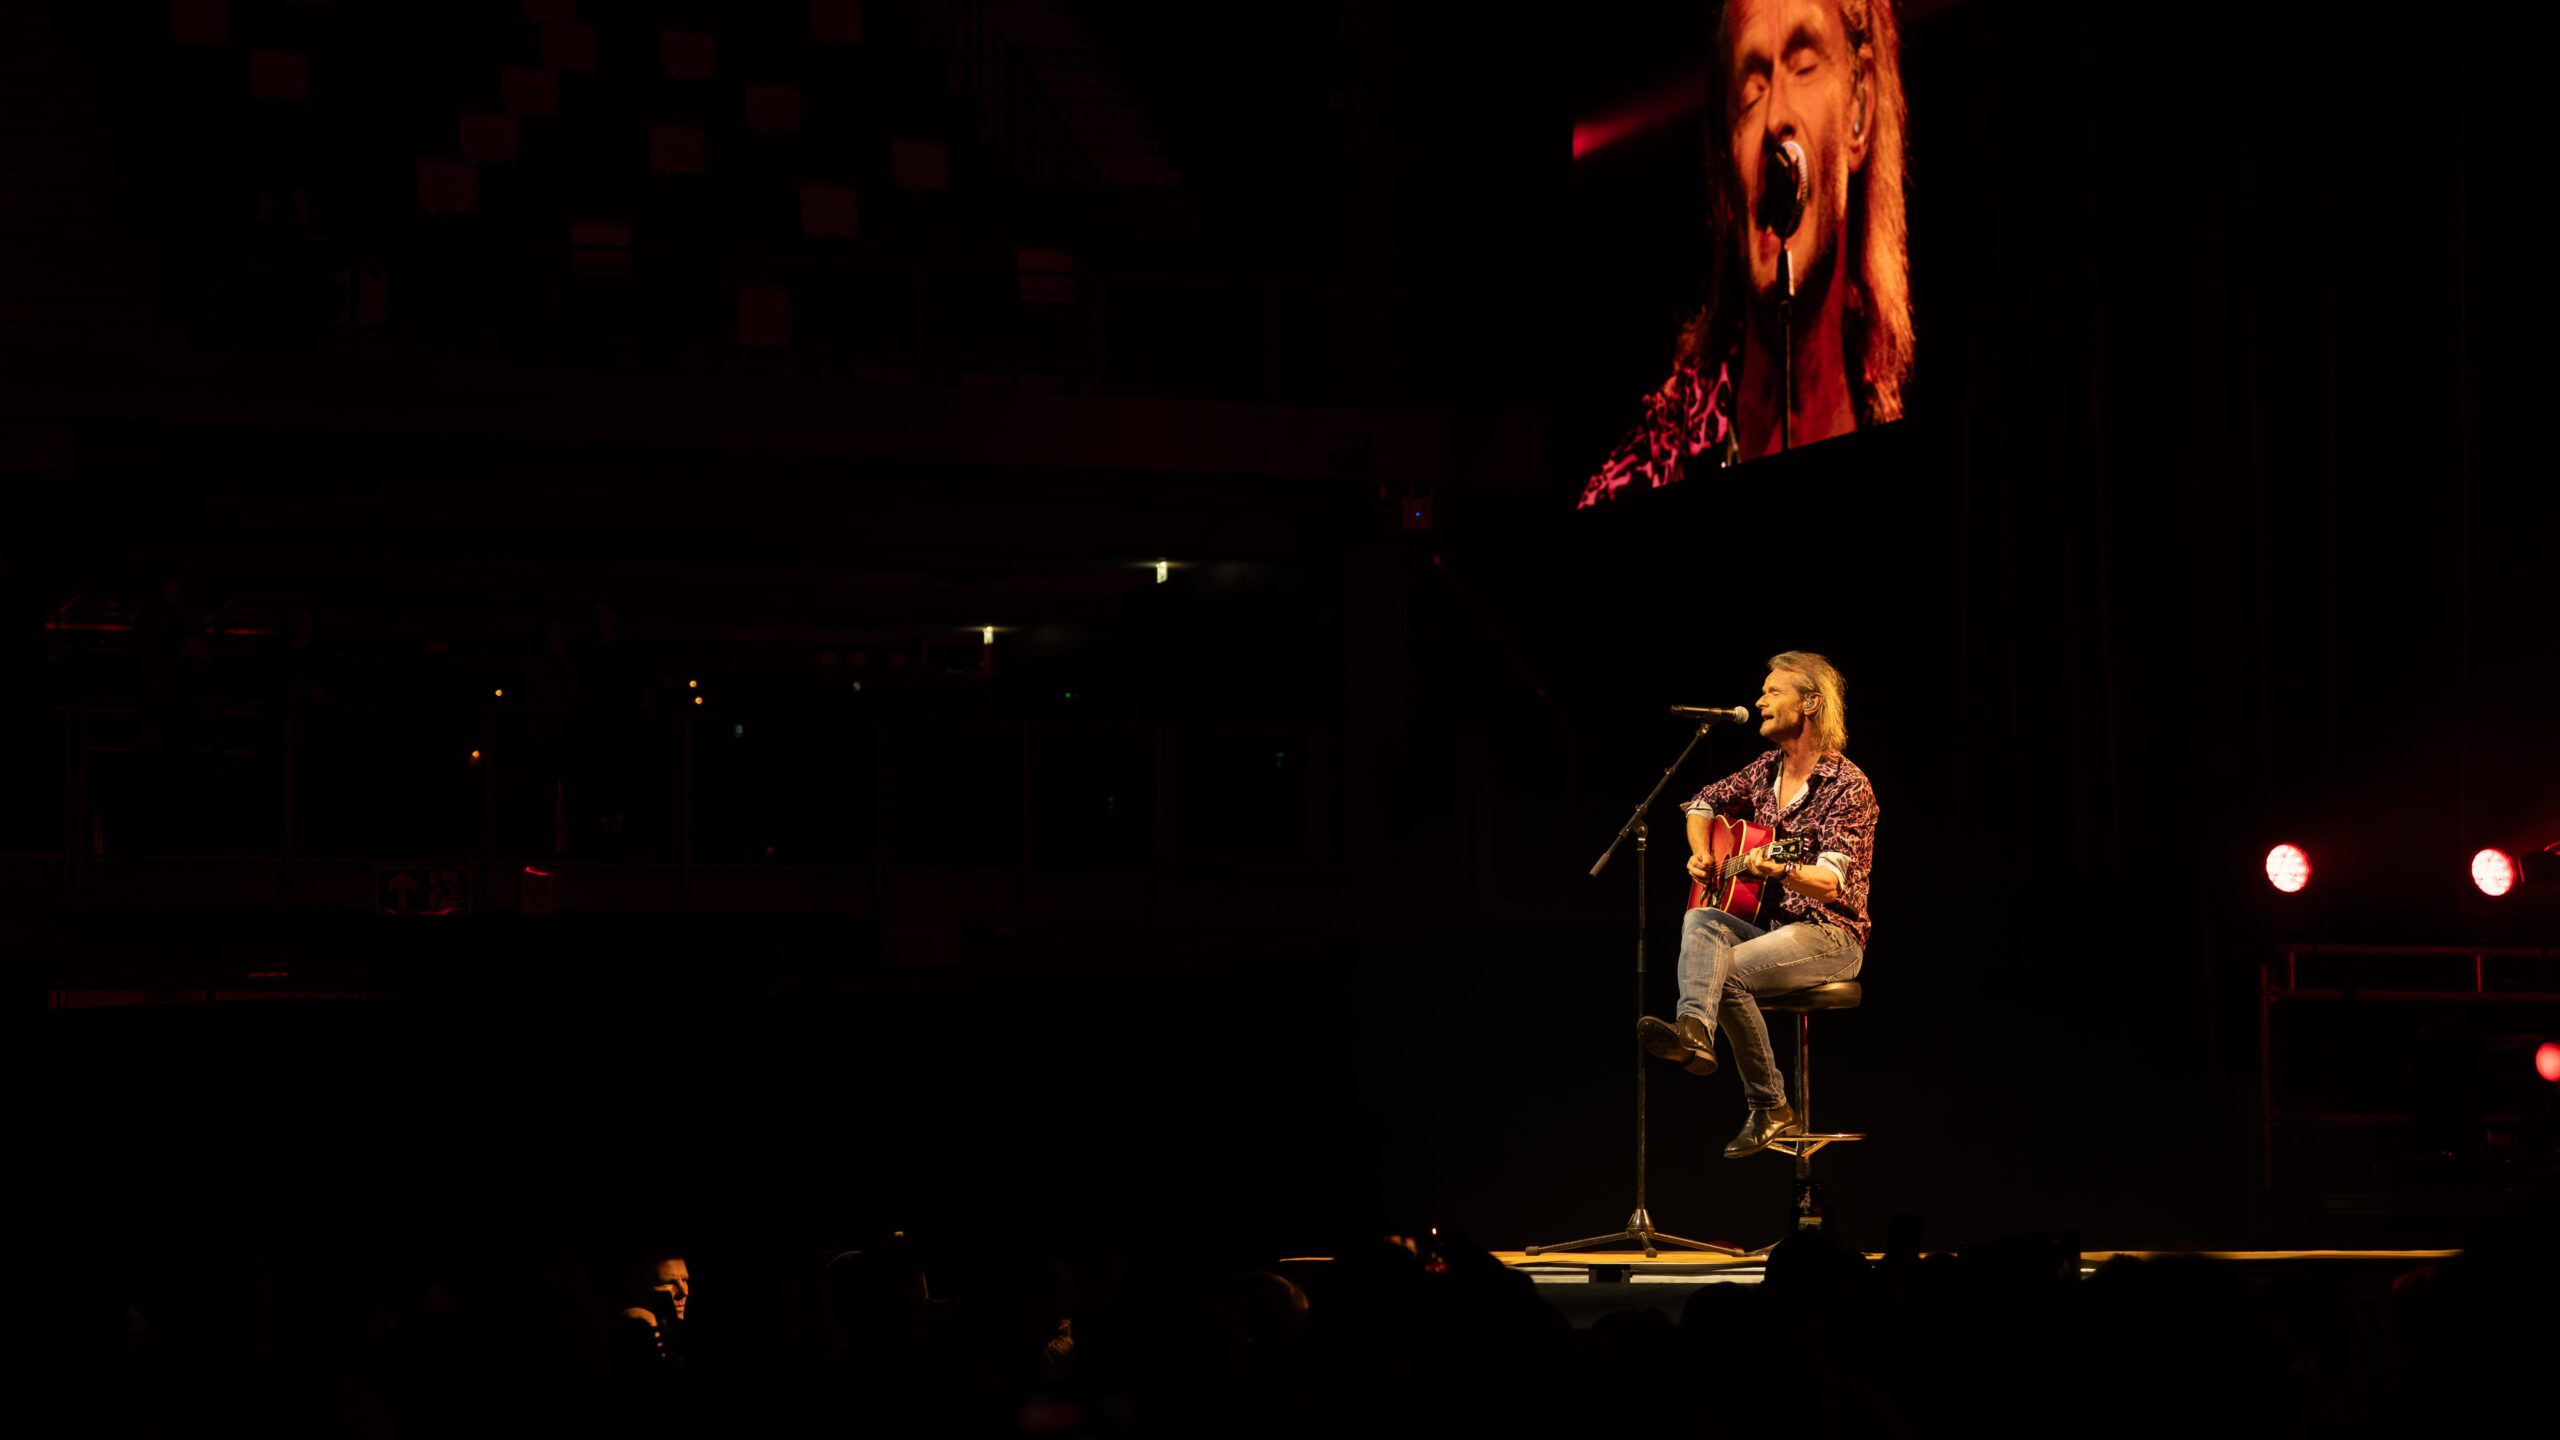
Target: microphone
1786,186
1735,716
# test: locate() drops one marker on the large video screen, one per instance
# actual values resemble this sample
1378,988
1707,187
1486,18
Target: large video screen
1743,269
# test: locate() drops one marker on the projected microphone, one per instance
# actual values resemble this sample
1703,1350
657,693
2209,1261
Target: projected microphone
1735,716
1786,185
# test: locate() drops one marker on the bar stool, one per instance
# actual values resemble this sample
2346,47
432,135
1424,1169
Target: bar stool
1838,995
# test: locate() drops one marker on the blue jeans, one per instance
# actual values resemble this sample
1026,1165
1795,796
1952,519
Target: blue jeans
1725,961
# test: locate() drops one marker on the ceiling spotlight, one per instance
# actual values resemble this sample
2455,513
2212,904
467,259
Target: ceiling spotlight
987,635
2494,871
1164,571
2288,868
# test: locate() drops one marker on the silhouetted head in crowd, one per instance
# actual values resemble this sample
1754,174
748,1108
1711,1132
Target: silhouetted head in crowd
656,1284
674,1281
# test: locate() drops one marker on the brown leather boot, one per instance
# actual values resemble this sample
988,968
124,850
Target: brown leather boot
1761,1127
1686,1042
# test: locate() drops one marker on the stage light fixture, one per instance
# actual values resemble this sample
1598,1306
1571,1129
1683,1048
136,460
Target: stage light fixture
693,684
2546,1061
988,634
2288,868
498,694
2539,867
1164,571
697,699
2494,871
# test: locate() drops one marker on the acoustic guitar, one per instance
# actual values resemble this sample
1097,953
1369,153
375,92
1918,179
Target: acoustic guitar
1732,845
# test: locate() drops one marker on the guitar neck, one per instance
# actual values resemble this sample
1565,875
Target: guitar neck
1734,865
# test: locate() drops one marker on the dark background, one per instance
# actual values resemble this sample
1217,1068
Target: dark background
2217,522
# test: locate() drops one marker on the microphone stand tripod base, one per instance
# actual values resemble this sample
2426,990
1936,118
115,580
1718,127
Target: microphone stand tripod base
1643,1236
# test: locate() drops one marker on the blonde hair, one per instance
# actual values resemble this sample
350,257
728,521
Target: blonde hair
1816,676
1876,341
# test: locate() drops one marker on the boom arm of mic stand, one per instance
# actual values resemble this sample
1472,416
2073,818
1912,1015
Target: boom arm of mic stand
1647,802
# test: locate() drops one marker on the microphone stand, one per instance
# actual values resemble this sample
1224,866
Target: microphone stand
1786,346
1640,1224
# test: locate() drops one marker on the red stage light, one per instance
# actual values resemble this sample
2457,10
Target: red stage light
2288,868
2546,1062
2494,871
1641,115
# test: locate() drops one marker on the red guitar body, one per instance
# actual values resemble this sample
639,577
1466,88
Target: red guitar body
1738,895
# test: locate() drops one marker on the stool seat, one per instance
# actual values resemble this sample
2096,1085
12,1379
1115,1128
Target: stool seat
1838,995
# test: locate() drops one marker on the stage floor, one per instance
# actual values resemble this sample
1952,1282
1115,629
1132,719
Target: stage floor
1677,1260
1588,1286
1699,1262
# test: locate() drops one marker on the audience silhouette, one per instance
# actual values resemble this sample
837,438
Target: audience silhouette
1182,1336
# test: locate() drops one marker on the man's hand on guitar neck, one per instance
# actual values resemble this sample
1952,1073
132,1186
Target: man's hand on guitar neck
1814,882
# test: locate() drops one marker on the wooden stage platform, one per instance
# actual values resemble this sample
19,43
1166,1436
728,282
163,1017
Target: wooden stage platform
1677,1261
1703,1265
1589,1285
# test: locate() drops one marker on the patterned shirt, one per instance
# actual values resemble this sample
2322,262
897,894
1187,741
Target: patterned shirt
1691,415
1837,813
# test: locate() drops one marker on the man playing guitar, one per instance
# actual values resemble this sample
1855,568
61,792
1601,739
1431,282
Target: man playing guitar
1812,929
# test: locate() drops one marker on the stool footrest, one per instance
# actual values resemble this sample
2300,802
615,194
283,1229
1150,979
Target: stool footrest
1799,1146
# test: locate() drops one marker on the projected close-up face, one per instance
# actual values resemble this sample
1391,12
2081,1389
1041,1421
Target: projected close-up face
1757,365
1792,74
